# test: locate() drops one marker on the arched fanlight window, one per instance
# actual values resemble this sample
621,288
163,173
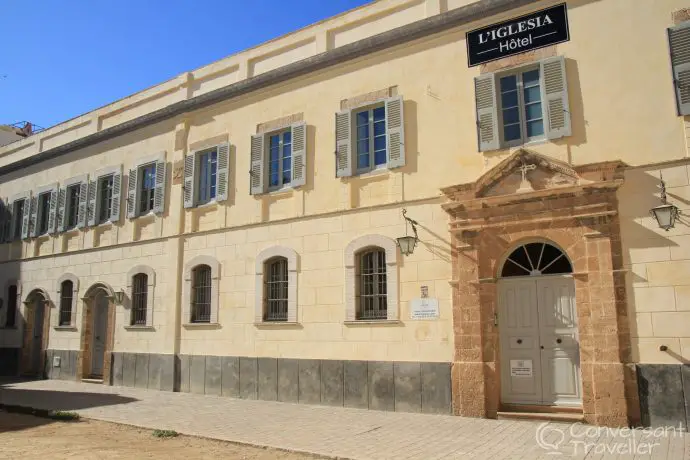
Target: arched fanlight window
534,259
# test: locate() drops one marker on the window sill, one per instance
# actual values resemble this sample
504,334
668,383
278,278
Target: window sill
201,326
140,328
65,328
211,204
374,322
283,191
373,174
278,325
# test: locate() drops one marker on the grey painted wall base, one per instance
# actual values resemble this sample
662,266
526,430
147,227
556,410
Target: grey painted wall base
9,361
144,370
380,385
67,370
664,391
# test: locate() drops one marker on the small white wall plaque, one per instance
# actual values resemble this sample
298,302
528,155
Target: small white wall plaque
425,308
56,361
521,368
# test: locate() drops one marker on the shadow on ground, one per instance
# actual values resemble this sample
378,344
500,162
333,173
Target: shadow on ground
12,399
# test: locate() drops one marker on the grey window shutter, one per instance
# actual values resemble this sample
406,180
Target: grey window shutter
343,144
395,132
189,180
487,117
256,180
159,191
52,210
299,154
3,220
117,195
33,218
60,214
679,41
26,218
222,174
555,97
86,214
132,192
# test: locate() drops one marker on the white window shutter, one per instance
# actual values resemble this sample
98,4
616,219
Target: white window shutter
189,180
487,117
60,207
159,191
222,174
52,210
33,218
343,144
299,154
87,211
132,192
26,218
395,132
117,196
555,97
679,41
256,179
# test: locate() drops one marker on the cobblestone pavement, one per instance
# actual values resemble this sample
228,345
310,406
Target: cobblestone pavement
341,432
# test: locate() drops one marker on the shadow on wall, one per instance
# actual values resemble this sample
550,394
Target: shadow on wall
12,315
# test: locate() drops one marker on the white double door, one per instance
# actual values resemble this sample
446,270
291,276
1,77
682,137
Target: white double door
540,353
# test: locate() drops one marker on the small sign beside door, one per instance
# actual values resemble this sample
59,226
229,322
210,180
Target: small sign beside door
425,308
521,368
524,33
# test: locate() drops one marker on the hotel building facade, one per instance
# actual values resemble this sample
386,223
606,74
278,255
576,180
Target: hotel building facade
236,230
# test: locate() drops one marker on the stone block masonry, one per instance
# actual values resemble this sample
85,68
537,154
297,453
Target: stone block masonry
378,385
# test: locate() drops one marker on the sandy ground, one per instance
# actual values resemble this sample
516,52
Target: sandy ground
27,437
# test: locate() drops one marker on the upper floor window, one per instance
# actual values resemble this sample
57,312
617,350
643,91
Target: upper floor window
105,198
201,294
18,209
276,289
678,38
521,105
140,284
279,159
72,207
146,187
66,294
206,176
11,314
43,213
371,137
372,284
521,109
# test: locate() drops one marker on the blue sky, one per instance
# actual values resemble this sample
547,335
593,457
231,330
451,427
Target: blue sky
62,58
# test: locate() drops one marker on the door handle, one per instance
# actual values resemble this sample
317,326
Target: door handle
519,341
559,340
542,347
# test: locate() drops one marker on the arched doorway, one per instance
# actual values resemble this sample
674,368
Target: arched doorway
35,332
538,328
97,333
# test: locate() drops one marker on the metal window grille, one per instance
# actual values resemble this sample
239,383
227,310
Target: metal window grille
201,294
66,292
140,286
106,198
276,290
147,188
11,315
371,293
72,205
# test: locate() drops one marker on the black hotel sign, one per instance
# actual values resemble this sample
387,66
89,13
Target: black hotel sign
528,32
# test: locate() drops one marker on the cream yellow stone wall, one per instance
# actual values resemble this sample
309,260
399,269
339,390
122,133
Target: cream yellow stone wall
622,107
657,264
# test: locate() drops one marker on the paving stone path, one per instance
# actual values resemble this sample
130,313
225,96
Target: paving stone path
341,432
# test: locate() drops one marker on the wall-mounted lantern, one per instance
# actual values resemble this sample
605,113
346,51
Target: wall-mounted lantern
407,243
665,214
119,297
